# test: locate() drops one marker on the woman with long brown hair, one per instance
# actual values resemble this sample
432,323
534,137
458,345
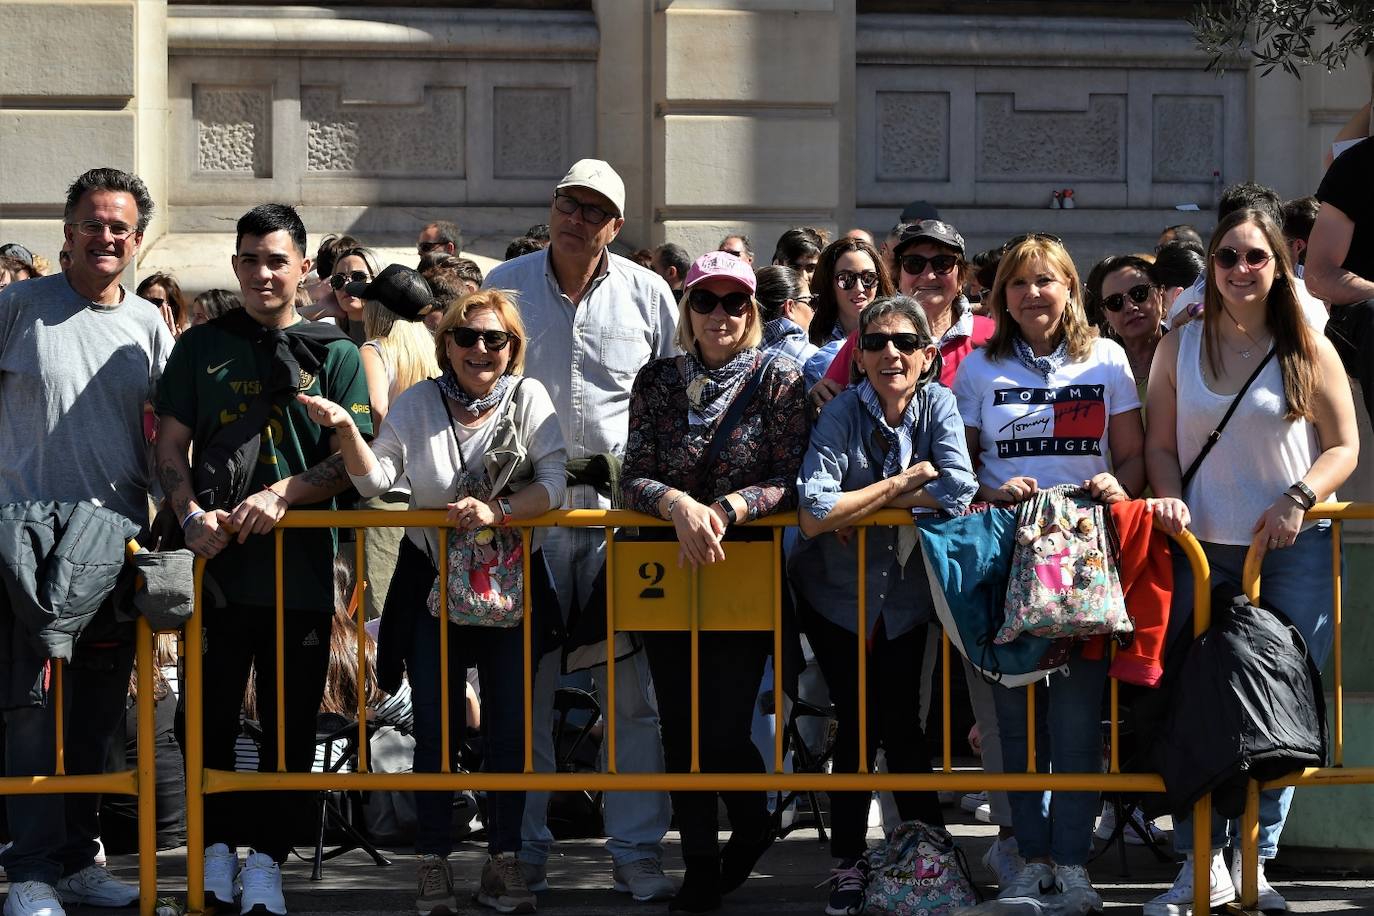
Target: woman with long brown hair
849,275
1290,443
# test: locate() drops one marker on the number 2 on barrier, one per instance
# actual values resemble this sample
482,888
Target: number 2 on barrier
652,592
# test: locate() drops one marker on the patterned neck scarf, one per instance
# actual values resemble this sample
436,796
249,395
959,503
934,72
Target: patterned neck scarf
448,384
710,391
781,329
1044,366
899,444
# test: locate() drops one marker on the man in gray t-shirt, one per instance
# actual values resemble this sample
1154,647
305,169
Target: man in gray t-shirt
79,357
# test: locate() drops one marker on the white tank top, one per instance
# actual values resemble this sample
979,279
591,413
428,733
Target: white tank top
1259,454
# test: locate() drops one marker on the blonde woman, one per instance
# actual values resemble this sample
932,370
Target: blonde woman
397,354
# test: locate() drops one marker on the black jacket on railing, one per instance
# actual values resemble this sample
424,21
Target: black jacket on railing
1247,704
59,563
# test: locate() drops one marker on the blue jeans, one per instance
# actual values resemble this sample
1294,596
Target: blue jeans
1068,712
1296,580
499,652
54,835
635,821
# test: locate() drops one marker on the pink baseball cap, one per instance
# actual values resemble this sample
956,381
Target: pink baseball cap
720,264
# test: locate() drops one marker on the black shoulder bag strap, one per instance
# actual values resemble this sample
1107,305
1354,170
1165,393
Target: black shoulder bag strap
1216,433
735,411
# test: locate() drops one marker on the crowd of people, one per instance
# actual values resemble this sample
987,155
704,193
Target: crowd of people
848,375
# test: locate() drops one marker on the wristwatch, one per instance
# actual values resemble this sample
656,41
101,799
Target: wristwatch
1309,499
506,512
728,509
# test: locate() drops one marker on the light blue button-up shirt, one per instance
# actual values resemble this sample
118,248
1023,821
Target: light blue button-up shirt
844,456
587,355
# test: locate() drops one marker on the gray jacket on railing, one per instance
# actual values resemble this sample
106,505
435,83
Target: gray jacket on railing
59,562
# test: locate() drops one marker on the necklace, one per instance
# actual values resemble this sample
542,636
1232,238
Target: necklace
1247,352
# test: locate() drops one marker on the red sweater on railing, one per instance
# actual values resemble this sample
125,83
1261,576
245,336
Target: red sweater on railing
1147,579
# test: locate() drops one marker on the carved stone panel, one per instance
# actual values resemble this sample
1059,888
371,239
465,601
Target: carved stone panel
530,139
1030,145
233,129
412,141
1187,135
912,142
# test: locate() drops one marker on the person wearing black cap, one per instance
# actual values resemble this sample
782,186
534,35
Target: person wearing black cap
230,385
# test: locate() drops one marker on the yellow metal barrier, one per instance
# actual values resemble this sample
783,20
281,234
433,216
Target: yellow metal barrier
648,591
1338,774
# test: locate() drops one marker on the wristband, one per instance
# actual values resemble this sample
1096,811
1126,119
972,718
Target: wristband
729,510
190,515
1308,498
506,512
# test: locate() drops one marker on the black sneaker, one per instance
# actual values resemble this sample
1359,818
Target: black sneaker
848,880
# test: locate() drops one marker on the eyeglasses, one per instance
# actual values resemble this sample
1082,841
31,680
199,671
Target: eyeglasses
1138,294
905,342
468,337
1228,257
95,228
1038,236
915,264
704,303
846,279
592,215
427,247
804,299
337,281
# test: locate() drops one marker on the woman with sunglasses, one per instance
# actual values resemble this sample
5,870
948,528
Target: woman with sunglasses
892,440
1128,305
680,411
1045,403
351,265
163,291
483,442
849,275
1290,443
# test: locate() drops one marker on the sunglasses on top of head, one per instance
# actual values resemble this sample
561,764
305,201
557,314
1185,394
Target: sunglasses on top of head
1137,294
704,303
1228,257
1038,236
847,279
468,337
338,281
915,264
905,342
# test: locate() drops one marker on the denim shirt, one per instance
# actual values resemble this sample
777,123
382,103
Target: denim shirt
844,455
587,355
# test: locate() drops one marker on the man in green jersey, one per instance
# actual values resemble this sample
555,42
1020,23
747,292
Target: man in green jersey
251,363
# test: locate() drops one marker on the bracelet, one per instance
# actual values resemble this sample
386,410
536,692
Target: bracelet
672,504
277,495
506,511
190,515
1302,504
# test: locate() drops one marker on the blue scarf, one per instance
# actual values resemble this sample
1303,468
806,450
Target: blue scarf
448,384
1045,366
710,391
899,440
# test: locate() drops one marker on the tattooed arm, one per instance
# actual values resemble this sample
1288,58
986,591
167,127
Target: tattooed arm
206,532
260,512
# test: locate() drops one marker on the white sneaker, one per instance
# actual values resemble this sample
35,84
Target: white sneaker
261,881
94,885
33,898
1178,900
643,879
1076,891
1003,860
1269,899
221,875
1133,833
1035,880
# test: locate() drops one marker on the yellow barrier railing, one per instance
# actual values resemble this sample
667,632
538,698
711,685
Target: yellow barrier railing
741,597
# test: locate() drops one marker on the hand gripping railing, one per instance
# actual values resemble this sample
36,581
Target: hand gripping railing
627,608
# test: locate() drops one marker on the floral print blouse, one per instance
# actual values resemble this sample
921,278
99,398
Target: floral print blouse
759,461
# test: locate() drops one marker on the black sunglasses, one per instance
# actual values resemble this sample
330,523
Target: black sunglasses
905,342
156,301
1038,236
592,215
337,281
915,264
1228,257
704,303
1138,294
846,279
427,247
468,337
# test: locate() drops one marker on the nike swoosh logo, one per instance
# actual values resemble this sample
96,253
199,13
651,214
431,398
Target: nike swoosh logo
213,369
